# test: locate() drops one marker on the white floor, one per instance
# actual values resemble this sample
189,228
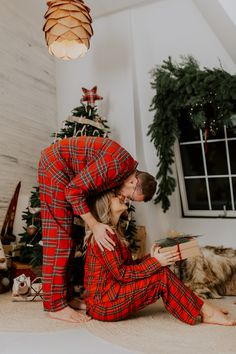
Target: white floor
78,341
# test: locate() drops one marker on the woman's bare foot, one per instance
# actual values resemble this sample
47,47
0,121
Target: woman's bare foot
77,304
222,309
69,315
212,315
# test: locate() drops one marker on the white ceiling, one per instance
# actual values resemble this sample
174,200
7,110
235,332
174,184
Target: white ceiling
215,13
104,7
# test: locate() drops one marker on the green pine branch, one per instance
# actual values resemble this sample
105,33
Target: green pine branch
207,97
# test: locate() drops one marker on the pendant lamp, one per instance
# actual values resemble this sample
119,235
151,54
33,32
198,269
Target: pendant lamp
68,28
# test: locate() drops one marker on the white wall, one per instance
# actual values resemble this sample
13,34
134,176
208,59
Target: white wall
27,99
108,65
125,47
230,7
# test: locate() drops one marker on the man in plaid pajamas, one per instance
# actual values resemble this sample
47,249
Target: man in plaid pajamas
70,171
116,286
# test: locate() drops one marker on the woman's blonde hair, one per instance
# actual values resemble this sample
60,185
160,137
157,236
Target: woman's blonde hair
100,207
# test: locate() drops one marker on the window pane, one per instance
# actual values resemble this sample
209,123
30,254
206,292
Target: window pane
187,132
214,133
232,147
234,189
192,166
220,193
216,158
196,194
231,132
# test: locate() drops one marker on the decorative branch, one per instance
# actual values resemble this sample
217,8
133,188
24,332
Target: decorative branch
207,97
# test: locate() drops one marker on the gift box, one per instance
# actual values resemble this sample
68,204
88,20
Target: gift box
26,290
18,268
186,246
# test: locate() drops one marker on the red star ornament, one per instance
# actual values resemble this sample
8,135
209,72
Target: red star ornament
90,96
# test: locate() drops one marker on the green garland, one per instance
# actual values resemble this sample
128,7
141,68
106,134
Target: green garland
207,97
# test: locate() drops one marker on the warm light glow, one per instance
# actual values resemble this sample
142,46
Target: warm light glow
68,50
68,28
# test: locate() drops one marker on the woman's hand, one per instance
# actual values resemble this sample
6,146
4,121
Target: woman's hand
152,251
165,258
101,237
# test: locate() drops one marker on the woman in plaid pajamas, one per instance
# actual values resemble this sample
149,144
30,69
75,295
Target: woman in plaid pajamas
70,171
116,286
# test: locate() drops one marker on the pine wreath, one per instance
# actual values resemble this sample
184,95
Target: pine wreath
207,97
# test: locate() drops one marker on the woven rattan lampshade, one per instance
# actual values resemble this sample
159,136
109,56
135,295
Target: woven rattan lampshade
68,28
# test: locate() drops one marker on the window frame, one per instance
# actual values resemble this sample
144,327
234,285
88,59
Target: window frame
181,179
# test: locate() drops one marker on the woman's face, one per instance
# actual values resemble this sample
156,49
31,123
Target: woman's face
118,204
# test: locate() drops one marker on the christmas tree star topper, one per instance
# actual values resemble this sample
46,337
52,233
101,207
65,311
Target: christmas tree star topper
90,96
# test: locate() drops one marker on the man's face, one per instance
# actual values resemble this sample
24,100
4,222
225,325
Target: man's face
131,191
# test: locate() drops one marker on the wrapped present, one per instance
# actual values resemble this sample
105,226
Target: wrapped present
26,290
187,246
18,268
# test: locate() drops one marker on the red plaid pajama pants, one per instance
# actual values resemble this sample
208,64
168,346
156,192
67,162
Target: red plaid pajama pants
178,299
58,246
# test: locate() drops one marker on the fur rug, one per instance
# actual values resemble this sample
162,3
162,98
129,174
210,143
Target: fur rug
212,274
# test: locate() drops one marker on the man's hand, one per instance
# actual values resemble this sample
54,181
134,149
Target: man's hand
165,258
99,231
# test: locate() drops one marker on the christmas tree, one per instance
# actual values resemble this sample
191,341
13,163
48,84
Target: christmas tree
84,121
31,238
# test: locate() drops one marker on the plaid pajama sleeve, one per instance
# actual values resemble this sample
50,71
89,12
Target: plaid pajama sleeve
117,265
102,174
106,165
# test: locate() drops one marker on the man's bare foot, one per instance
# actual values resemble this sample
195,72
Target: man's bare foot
77,304
212,315
69,315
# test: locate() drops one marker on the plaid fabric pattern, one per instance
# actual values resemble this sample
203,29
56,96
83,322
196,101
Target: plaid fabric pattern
69,171
116,286
90,96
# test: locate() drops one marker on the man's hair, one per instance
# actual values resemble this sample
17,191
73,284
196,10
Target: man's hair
147,184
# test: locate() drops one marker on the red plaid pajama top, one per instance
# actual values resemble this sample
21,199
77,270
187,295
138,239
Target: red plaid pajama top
116,286
69,171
